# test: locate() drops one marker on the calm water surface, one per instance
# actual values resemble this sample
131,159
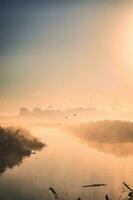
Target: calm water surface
66,164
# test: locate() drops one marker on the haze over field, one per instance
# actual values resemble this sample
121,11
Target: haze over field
114,137
66,54
66,75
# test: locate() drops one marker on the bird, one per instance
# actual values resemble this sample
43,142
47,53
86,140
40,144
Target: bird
3,100
54,193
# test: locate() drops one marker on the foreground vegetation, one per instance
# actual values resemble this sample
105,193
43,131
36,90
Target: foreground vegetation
109,136
127,193
105,131
18,140
15,145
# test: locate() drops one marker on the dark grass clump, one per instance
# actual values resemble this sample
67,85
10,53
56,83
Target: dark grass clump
15,145
18,140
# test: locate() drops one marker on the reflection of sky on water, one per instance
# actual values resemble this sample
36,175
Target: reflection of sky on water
66,164
111,137
117,149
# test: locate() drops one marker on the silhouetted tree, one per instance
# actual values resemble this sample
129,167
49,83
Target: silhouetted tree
24,112
37,111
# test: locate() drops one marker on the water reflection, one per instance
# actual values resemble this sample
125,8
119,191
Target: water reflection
15,145
66,165
117,149
9,160
112,137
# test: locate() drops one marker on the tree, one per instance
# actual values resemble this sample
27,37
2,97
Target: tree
24,112
37,111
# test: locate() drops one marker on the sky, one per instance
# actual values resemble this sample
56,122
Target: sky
65,54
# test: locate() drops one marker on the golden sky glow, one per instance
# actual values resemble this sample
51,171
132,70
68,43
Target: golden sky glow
59,52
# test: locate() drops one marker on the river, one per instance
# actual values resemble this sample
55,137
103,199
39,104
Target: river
66,164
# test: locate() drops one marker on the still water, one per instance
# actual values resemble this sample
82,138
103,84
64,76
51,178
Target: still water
66,164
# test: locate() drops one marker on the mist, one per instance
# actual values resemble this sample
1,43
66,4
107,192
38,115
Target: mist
113,137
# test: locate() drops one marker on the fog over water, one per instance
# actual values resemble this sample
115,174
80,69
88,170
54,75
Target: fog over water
66,164
115,137
66,76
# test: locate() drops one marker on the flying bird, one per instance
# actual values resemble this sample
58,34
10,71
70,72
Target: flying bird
4,99
52,190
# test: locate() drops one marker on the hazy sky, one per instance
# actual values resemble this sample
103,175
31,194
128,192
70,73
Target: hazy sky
54,51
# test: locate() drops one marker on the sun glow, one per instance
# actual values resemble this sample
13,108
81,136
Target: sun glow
128,44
